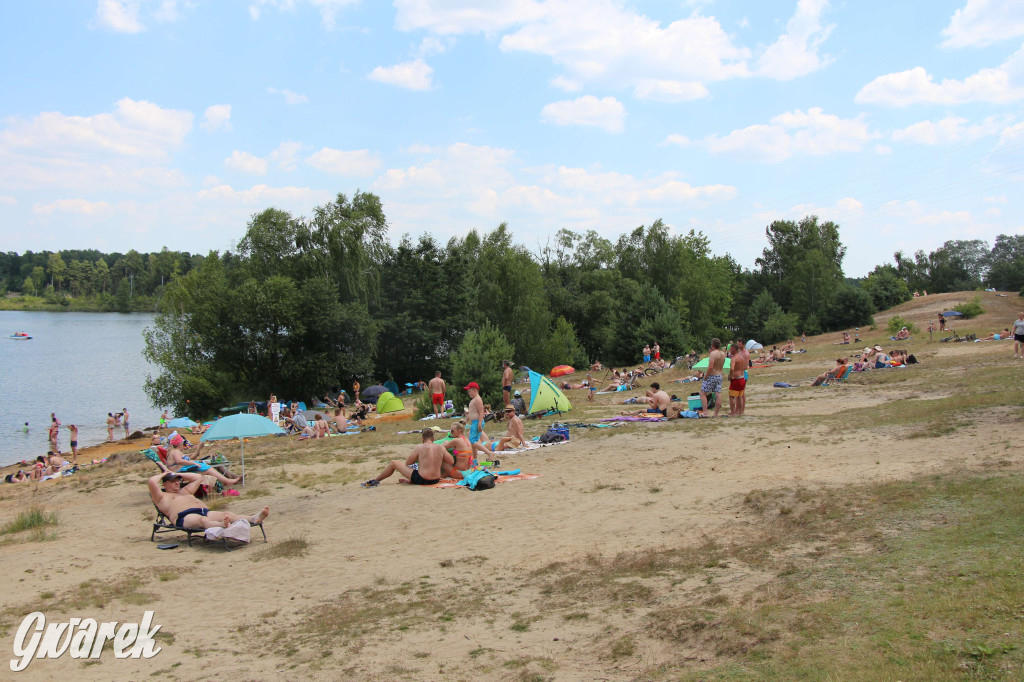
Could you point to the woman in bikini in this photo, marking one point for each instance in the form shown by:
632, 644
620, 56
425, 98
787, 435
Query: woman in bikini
461, 450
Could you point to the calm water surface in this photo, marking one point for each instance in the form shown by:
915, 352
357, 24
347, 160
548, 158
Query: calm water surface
79, 365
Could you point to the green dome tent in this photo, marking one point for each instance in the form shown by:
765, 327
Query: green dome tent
389, 402
544, 395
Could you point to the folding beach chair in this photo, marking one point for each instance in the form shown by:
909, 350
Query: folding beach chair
163, 525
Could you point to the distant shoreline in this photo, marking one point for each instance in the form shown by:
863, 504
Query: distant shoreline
36, 304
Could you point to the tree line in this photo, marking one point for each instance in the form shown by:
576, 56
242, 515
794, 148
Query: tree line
305, 304
112, 282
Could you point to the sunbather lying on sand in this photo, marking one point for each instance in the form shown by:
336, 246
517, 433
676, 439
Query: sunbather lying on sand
998, 336
179, 504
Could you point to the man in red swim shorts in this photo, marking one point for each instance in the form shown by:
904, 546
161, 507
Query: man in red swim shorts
739, 362
437, 390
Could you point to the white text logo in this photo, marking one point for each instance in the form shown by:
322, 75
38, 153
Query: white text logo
84, 638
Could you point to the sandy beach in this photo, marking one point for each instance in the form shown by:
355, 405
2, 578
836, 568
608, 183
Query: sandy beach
415, 583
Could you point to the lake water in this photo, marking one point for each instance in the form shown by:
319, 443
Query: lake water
79, 365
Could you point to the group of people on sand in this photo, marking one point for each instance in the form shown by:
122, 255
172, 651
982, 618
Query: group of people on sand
431, 461
712, 381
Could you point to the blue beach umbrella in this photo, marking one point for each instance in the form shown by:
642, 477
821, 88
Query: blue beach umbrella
181, 423
241, 426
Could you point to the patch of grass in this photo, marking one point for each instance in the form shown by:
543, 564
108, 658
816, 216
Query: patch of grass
290, 548
34, 517
623, 647
128, 587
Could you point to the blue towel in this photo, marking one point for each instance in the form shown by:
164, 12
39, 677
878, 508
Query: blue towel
783, 384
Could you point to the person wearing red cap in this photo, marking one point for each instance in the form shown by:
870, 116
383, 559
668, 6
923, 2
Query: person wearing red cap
177, 460
475, 412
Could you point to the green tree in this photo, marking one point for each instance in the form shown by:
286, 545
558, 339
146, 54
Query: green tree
646, 319
39, 277
850, 307
478, 358
100, 276
802, 265
768, 322
509, 290
28, 287
886, 288
1006, 263
57, 269
562, 347
422, 298
124, 299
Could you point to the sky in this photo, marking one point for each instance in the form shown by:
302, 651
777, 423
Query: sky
150, 123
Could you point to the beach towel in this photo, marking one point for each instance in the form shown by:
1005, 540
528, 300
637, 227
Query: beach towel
501, 478
783, 384
633, 419
239, 530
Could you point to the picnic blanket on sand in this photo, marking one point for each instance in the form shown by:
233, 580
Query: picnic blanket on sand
501, 478
633, 419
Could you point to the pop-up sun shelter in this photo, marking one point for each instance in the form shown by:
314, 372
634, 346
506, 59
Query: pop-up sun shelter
388, 402
544, 395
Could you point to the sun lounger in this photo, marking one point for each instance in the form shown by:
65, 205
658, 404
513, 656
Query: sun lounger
163, 525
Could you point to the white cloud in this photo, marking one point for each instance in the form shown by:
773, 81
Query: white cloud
286, 156
168, 12
566, 84
414, 75
464, 184
135, 128
432, 45
358, 162
797, 132
983, 22
217, 117
264, 194
7, 200
795, 53
454, 18
606, 113
948, 130
1012, 135
289, 96
73, 206
670, 91
916, 86
677, 139
610, 42
246, 163
121, 16
329, 9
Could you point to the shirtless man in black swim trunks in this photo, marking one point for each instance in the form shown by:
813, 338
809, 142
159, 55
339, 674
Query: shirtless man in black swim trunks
428, 455
179, 504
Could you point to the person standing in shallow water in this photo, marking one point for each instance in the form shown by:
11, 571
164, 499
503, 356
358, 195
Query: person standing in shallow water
111, 422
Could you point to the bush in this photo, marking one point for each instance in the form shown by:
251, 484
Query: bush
896, 323
478, 359
423, 406
972, 309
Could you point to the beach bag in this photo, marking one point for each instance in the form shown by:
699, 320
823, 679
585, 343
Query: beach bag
551, 437
911, 360
478, 479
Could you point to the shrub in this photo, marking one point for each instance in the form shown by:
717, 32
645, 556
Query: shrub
897, 322
972, 309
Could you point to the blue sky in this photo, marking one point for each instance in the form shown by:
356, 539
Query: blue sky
151, 123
